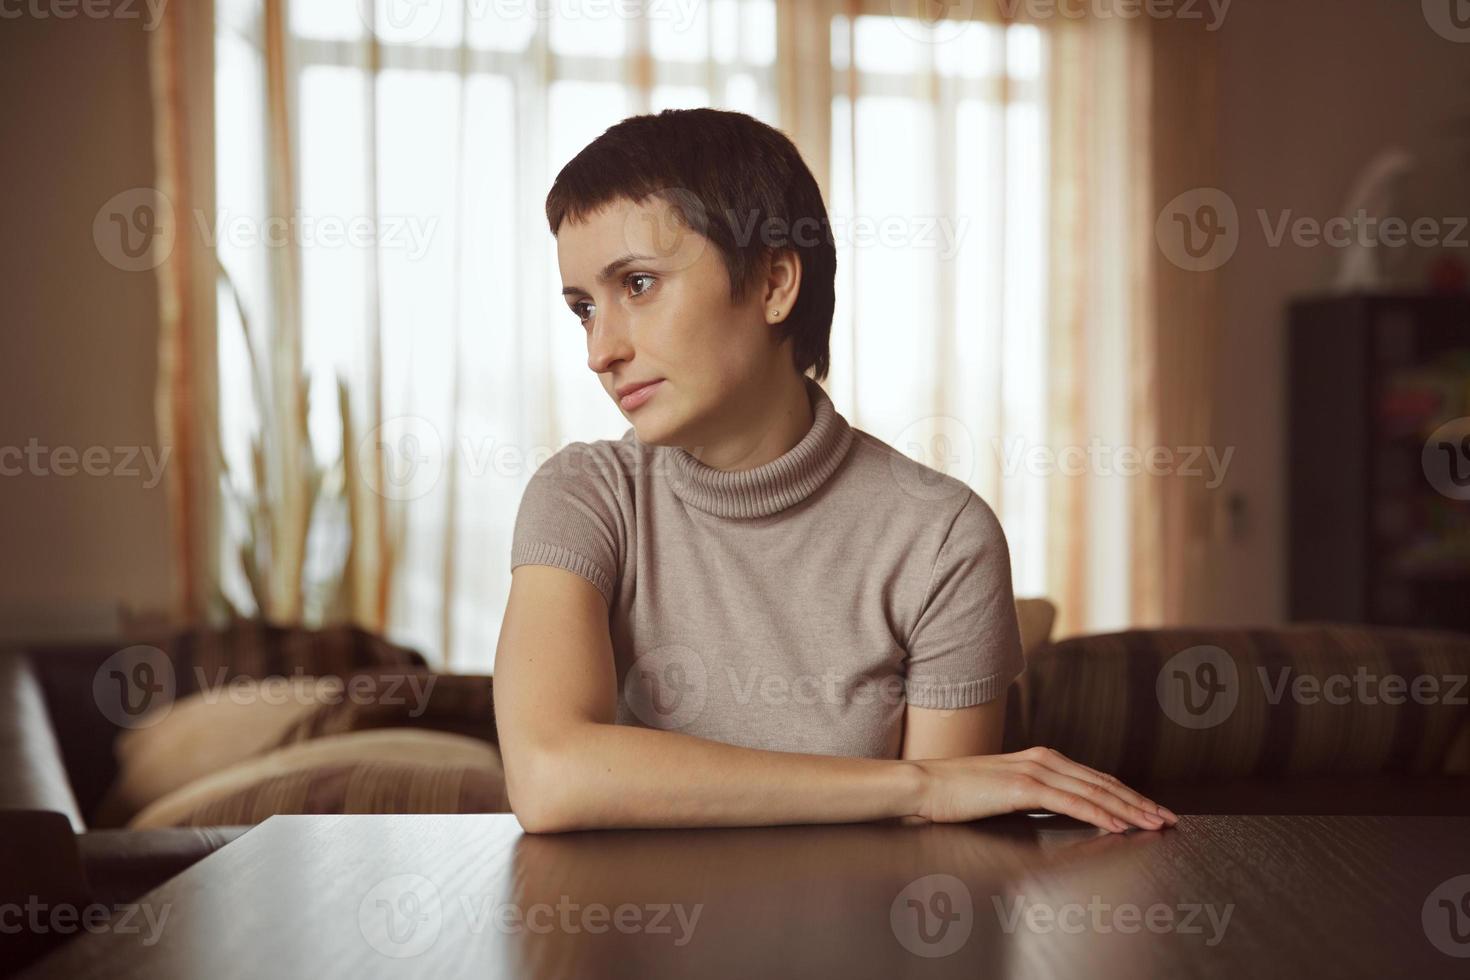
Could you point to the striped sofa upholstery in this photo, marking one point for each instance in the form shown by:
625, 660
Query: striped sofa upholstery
1308, 700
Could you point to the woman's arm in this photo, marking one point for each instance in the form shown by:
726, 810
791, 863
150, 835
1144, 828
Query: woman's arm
569, 766
940, 733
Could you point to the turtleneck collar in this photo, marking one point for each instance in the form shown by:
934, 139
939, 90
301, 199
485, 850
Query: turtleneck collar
786, 480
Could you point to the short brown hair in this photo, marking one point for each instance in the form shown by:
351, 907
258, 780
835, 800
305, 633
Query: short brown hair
713, 162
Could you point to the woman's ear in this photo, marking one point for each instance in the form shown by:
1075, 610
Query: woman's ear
783, 284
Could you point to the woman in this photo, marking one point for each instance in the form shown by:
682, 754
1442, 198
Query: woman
745, 611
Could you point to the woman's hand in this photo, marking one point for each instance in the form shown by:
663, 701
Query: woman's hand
972, 787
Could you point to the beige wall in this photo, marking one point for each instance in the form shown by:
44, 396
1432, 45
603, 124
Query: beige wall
1309, 92
78, 345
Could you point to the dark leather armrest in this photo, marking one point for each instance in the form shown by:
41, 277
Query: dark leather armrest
33, 774
121, 865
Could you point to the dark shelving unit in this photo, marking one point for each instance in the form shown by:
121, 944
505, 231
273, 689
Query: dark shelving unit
1370, 539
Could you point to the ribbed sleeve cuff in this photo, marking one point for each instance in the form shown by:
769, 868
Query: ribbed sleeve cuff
959, 694
538, 553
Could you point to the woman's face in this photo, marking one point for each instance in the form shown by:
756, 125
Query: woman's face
654, 301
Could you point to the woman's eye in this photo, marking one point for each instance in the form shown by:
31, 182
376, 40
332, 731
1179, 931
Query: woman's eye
580, 309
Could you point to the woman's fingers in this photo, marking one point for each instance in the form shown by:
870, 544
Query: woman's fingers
1060, 801
1100, 795
1055, 760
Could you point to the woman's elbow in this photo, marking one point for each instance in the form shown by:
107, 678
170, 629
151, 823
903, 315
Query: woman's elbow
536, 786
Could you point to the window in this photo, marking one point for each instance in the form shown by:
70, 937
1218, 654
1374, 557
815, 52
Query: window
415, 192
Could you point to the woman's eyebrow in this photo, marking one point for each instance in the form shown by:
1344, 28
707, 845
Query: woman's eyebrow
609, 271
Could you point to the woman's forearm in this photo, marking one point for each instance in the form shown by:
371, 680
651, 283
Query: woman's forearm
606, 775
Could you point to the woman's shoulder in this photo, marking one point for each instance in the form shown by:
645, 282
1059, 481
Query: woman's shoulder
911, 483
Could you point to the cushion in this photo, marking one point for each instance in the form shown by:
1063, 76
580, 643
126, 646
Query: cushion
463, 704
205, 657
1036, 617
378, 771
205, 732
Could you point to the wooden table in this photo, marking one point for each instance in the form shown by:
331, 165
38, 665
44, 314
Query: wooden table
365, 896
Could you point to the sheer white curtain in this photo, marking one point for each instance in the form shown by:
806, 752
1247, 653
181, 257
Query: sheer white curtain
392, 162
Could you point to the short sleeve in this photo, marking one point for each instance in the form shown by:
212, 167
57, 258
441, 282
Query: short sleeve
569, 517
965, 648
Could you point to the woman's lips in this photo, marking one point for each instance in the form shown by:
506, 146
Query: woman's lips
633, 399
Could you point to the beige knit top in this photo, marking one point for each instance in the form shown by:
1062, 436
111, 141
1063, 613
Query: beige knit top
797, 606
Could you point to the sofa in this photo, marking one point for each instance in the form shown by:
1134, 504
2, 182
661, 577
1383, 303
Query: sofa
1309, 718
62, 723
1307, 721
